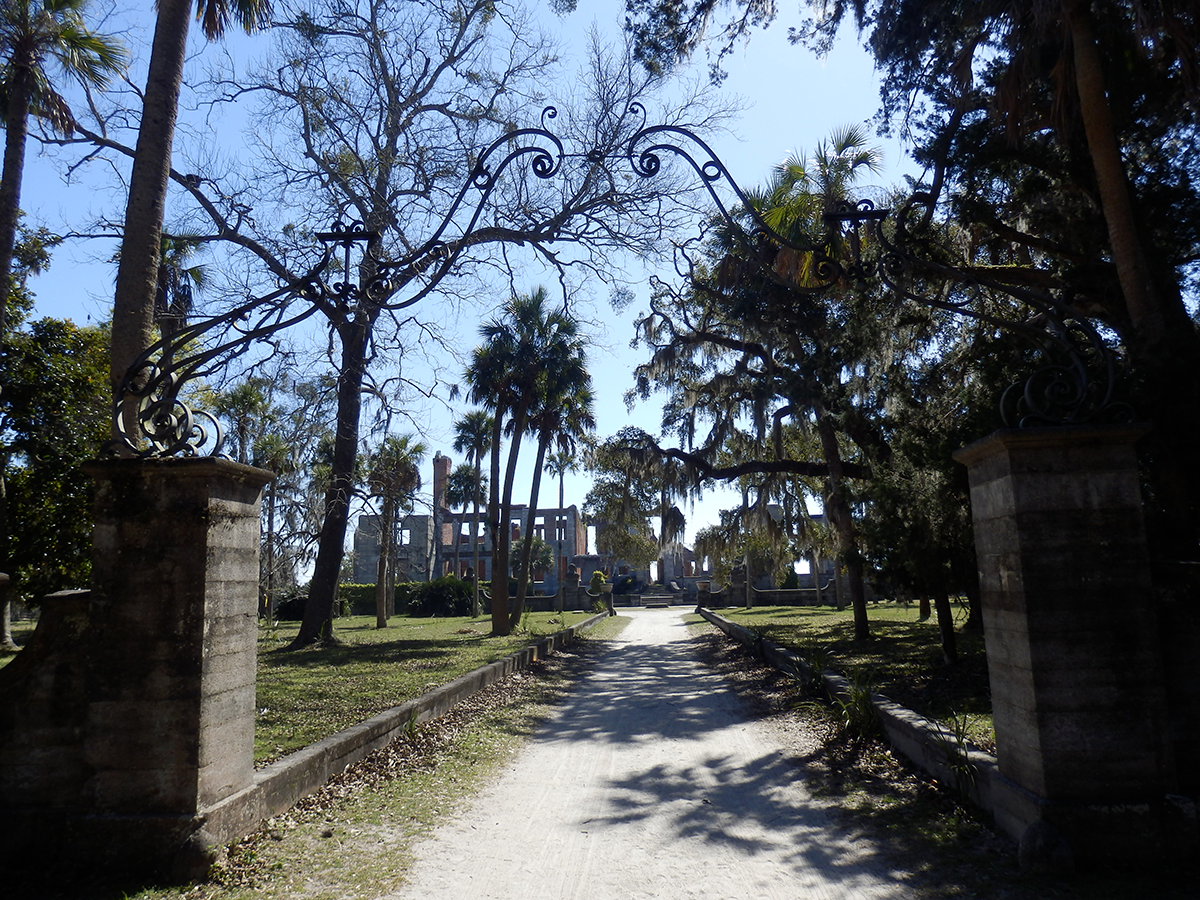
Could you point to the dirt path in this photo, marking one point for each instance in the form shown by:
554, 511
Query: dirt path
649, 781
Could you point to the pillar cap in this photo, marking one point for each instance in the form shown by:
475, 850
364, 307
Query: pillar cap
179, 467
1007, 439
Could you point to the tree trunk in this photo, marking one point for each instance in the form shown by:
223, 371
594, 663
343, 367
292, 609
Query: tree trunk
814, 561
16, 130
16, 125
839, 514
141, 243
499, 541
945, 618
7, 644
560, 532
393, 565
317, 624
502, 538
1164, 346
923, 610
1111, 179
527, 543
475, 610
386, 513
269, 603
457, 545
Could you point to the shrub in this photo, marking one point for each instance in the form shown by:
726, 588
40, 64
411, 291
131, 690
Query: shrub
445, 596
357, 599
625, 584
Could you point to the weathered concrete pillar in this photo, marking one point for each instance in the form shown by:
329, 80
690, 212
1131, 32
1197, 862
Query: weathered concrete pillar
1072, 643
171, 654
570, 588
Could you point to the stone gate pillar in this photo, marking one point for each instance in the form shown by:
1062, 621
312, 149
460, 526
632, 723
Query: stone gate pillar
1072, 645
170, 654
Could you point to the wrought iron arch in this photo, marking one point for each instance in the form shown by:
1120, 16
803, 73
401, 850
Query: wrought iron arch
1076, 384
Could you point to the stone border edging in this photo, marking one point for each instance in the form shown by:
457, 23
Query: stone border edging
925, 742
280, 785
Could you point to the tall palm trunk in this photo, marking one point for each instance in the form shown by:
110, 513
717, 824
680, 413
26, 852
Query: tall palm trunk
386, 514
457, 545
16, 125
141, 244
527, 542
16, 131
560, 532
475, 541
502, 539
499, 543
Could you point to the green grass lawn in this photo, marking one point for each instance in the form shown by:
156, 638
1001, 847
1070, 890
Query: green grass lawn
903, 657
306, 695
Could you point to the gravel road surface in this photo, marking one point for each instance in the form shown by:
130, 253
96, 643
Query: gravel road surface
650, 781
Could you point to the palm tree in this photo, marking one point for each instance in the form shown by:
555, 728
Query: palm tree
247, 408
394, 474
35, 36
177, 283
141, 246
503, 376
462, 488
559, 464
473, 436
564, 411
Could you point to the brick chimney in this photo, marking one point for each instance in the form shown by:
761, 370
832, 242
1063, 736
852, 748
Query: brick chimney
441, 474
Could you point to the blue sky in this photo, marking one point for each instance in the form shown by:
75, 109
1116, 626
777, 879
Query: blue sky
792, 99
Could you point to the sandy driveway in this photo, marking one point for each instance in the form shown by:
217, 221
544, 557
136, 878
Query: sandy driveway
649, 781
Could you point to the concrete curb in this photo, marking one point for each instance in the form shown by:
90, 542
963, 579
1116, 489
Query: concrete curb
926, 743
279, 786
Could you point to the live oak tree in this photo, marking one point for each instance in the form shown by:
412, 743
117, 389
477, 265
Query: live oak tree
752, 346
52, 418
1060, 133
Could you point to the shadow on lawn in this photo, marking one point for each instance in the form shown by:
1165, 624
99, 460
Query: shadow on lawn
347, 653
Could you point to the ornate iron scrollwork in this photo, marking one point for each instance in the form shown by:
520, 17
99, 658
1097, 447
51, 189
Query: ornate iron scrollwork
151, 415
153, 419
1075, 385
